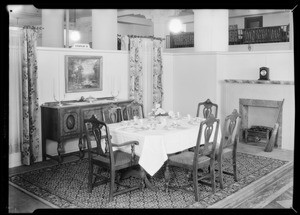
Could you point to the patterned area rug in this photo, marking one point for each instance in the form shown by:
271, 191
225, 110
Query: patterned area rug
66, 186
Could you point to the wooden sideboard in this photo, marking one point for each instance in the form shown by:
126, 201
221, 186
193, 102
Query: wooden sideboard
60, 123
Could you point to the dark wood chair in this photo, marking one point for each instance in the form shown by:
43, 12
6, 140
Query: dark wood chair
206, 108
108, 159
203, 156
112, 114
228, 145
134, 109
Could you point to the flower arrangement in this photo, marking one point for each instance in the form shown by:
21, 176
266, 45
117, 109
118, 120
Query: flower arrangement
158, 111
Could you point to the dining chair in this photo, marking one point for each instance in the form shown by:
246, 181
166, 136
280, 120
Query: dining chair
134, 109
228, 145
112, 114
203, 156
207, 108
110, 160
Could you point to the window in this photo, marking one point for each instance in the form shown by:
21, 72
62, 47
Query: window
254, 22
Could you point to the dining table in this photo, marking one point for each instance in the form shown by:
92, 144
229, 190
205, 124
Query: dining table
158, 137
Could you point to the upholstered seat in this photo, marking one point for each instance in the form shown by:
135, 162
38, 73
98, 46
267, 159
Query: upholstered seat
186, 158
121, 159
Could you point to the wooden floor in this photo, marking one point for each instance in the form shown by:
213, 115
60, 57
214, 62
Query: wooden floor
278, 196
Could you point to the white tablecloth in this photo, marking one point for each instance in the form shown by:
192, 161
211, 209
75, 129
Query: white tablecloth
156, 144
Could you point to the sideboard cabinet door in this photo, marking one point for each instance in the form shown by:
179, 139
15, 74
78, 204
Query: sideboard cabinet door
70, 122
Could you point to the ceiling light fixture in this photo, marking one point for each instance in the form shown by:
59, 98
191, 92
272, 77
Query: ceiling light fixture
175, 26
75, 36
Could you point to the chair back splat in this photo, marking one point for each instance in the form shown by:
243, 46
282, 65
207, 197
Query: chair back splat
134, 109
206, 108
230, 129
98, 131
228, 145
112, 114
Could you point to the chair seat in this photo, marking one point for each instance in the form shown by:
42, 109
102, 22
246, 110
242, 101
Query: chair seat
186, 159
121, 159
224, 151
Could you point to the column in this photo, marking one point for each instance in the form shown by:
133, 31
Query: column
104, 29
53, 28
291, 33
211, 30
159, 28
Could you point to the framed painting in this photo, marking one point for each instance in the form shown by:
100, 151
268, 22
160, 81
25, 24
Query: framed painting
83, 73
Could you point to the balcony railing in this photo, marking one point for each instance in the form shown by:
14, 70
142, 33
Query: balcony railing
270, 34
180, 40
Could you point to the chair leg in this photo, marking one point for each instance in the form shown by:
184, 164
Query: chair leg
167, 177
90, 179
112, 185
195, 181
220, 160
234, 166
142, 176
213, 177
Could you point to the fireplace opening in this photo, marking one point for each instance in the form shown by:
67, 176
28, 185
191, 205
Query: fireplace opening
258, 134
258, 118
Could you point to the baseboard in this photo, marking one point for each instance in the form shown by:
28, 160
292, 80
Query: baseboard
14, 160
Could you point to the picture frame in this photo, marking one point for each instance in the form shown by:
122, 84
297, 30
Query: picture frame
83, 73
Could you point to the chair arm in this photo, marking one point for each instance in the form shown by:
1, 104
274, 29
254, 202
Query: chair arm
126, 143
104, 136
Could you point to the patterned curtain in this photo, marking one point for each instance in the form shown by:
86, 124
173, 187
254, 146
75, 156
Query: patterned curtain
157, 72
31, 134
136, 70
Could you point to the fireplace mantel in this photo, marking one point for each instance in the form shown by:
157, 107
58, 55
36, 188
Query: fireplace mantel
244, 81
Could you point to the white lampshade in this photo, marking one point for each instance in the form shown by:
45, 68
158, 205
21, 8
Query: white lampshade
75, 36
175, 26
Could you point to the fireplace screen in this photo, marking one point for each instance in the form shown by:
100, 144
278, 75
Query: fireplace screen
258, 133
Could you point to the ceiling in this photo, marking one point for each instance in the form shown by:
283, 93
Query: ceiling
20, 15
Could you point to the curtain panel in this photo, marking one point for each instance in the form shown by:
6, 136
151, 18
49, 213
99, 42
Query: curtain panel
136, 70
157, 72
15, 89
31, 134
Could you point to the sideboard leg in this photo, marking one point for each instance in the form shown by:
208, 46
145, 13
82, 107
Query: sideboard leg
80, 146
59, 151
44, 149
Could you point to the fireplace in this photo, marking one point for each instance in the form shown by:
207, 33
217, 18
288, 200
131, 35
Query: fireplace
262, 127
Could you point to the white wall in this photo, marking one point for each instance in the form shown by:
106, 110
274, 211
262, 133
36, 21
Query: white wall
131, 29
167, 81
260, 47
272, 19
51, 66
194, 78
245, 65
84, 25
